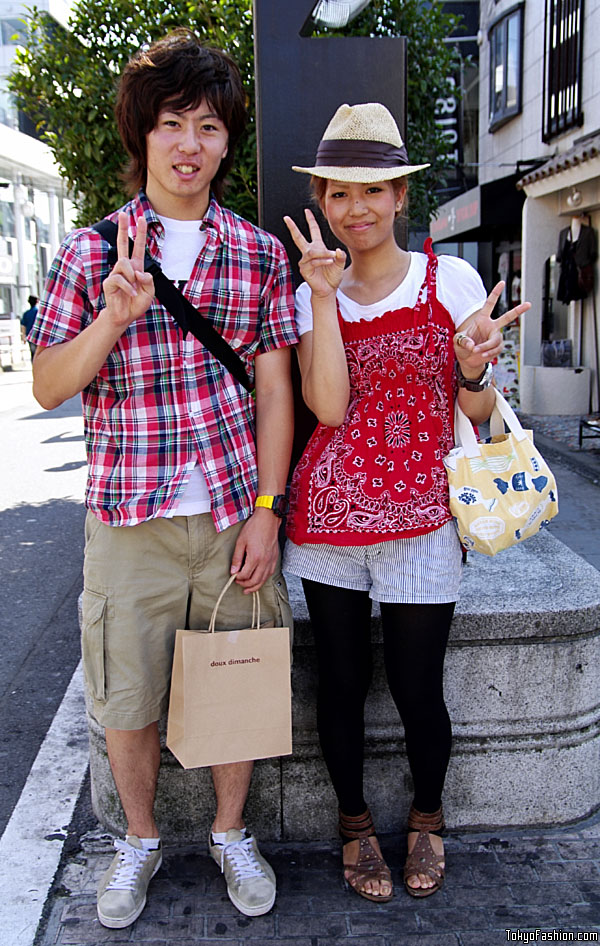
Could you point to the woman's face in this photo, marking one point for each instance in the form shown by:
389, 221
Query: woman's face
362, 215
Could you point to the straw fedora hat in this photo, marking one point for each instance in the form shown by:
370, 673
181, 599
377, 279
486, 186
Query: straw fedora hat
362, 145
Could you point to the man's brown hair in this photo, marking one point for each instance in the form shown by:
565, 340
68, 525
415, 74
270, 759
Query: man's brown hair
177, 72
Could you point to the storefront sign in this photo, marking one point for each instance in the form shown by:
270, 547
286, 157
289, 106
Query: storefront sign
457, 216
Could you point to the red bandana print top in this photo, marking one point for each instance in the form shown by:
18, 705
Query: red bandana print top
380, 475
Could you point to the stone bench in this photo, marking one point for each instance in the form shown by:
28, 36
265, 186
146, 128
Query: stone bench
523, 691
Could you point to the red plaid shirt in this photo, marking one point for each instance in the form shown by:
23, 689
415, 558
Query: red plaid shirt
161, 403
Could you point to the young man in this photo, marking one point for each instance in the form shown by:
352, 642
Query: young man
179, 453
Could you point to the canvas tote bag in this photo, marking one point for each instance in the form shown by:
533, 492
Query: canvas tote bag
502, 491
230, 693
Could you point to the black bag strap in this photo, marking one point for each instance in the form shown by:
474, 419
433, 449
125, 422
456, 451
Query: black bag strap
185, 314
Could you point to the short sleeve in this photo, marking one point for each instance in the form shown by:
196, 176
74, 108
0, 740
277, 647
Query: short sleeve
278, 324
304, 316
64, 308
460, 288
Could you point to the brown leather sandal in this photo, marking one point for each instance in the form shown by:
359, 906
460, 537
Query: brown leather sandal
369, 864
423, 859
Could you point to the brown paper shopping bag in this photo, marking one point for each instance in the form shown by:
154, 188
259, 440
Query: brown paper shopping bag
230, 693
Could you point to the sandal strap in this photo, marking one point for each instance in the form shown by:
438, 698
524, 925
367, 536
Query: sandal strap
423, 860
368, 860
422, 821
369, 866
354, 827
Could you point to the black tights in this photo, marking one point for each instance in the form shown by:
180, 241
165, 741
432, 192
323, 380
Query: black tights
414, 646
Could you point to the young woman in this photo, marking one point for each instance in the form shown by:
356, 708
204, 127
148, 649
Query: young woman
388, 343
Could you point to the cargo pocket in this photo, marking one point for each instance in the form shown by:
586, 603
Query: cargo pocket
93, 608
276, 596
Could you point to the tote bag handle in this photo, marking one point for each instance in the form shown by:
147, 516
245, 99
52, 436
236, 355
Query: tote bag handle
502, 413
255, 608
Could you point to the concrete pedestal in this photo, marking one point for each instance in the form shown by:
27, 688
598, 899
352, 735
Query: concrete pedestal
522, 688
545, 390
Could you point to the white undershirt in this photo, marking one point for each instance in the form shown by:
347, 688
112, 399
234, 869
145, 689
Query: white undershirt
181, 247
458, 287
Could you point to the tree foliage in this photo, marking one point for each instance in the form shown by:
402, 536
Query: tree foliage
65, 80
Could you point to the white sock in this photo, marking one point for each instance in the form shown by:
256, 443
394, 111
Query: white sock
148, 844
220, 837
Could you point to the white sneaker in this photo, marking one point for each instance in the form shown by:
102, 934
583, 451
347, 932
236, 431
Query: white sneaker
122, 890
250, 880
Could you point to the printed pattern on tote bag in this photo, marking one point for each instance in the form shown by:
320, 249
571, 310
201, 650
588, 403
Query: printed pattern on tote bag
501, 491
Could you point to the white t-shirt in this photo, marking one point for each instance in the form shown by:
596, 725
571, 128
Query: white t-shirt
181, 247
458, 287
182, 244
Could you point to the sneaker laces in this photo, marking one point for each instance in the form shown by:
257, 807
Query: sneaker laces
242, 858
130, 862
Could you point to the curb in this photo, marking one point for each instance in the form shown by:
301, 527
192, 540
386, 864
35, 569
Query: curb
579, 461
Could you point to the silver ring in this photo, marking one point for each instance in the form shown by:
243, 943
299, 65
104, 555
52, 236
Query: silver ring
459, 338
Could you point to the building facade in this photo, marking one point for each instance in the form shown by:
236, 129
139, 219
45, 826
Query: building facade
35, 211
538, 187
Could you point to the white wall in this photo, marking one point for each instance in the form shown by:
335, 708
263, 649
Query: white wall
521, 138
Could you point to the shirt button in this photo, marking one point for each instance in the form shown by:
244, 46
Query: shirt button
236, 343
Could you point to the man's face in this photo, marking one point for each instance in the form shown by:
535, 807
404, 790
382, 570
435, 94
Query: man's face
184, 152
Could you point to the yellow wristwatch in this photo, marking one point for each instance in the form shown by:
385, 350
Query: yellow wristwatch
277, 504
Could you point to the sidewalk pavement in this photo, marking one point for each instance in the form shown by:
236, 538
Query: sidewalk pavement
498, 882
558, 437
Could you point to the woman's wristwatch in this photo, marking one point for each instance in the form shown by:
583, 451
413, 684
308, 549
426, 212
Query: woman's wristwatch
475, 384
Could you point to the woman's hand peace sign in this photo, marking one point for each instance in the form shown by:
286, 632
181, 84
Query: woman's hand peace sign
128, 290
321, 268
479, 338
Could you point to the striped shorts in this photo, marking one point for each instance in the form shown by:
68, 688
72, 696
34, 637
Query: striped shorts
422, 569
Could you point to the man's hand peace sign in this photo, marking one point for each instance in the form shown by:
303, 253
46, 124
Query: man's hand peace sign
321, 268
128, 290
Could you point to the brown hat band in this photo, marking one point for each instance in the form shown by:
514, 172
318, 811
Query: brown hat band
347, 152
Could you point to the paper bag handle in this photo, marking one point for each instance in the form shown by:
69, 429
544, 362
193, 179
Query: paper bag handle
255, 608
502, 413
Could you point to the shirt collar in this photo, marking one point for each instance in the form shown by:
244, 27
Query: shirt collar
141, 207
213, 218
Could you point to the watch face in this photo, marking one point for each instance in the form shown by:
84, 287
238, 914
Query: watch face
480, 385
487, 376
280, 506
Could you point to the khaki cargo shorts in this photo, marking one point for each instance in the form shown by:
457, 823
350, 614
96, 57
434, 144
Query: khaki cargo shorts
143, 582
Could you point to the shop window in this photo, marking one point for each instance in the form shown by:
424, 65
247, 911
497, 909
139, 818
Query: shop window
555, 313
8, 110
506, 66
7, 219
5, 302
563, 58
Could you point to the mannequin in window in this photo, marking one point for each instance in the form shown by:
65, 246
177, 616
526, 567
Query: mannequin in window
577, 252
515, 288
503, 273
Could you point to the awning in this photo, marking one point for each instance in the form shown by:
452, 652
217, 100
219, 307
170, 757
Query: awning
488, 212
584, 150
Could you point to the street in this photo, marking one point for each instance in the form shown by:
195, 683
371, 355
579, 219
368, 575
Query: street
41, 545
